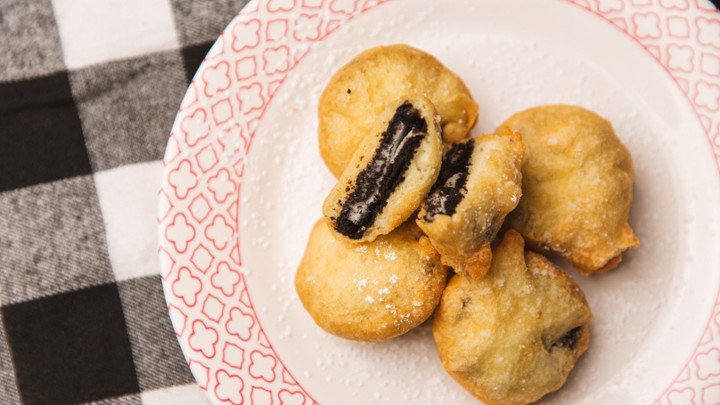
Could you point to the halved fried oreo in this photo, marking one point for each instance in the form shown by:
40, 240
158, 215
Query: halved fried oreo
479, 184
389, 174
359, 91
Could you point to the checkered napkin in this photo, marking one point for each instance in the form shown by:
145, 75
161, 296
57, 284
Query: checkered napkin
88, 93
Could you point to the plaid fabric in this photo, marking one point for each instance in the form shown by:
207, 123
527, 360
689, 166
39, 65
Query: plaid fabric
88, 93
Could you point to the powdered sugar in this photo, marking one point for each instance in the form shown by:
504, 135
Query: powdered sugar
390, 255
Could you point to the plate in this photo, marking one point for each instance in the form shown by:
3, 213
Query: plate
243, 183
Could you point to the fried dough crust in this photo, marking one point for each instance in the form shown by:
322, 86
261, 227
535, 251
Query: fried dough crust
515, 335
371, 291
359, 91
577, 187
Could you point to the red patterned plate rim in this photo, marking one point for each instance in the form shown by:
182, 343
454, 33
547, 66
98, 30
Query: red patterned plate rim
201, 266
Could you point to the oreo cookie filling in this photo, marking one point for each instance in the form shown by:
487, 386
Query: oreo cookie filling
379, 179
449, 189
569, 340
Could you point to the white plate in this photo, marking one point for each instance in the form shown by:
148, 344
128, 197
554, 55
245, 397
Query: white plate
244, 183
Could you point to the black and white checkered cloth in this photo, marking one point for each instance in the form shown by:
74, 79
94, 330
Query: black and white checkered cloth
88, 93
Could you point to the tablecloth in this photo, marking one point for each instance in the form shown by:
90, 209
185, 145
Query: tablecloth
88, 93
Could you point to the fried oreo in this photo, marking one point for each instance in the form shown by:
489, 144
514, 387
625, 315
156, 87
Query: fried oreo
359, 91
577, 186
515, 335
479, 184
370, 291
389, 174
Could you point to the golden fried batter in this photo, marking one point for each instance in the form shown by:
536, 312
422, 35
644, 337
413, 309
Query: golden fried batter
362, 89
577, 186
389, 174
515, 335
370, 291
479, 184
